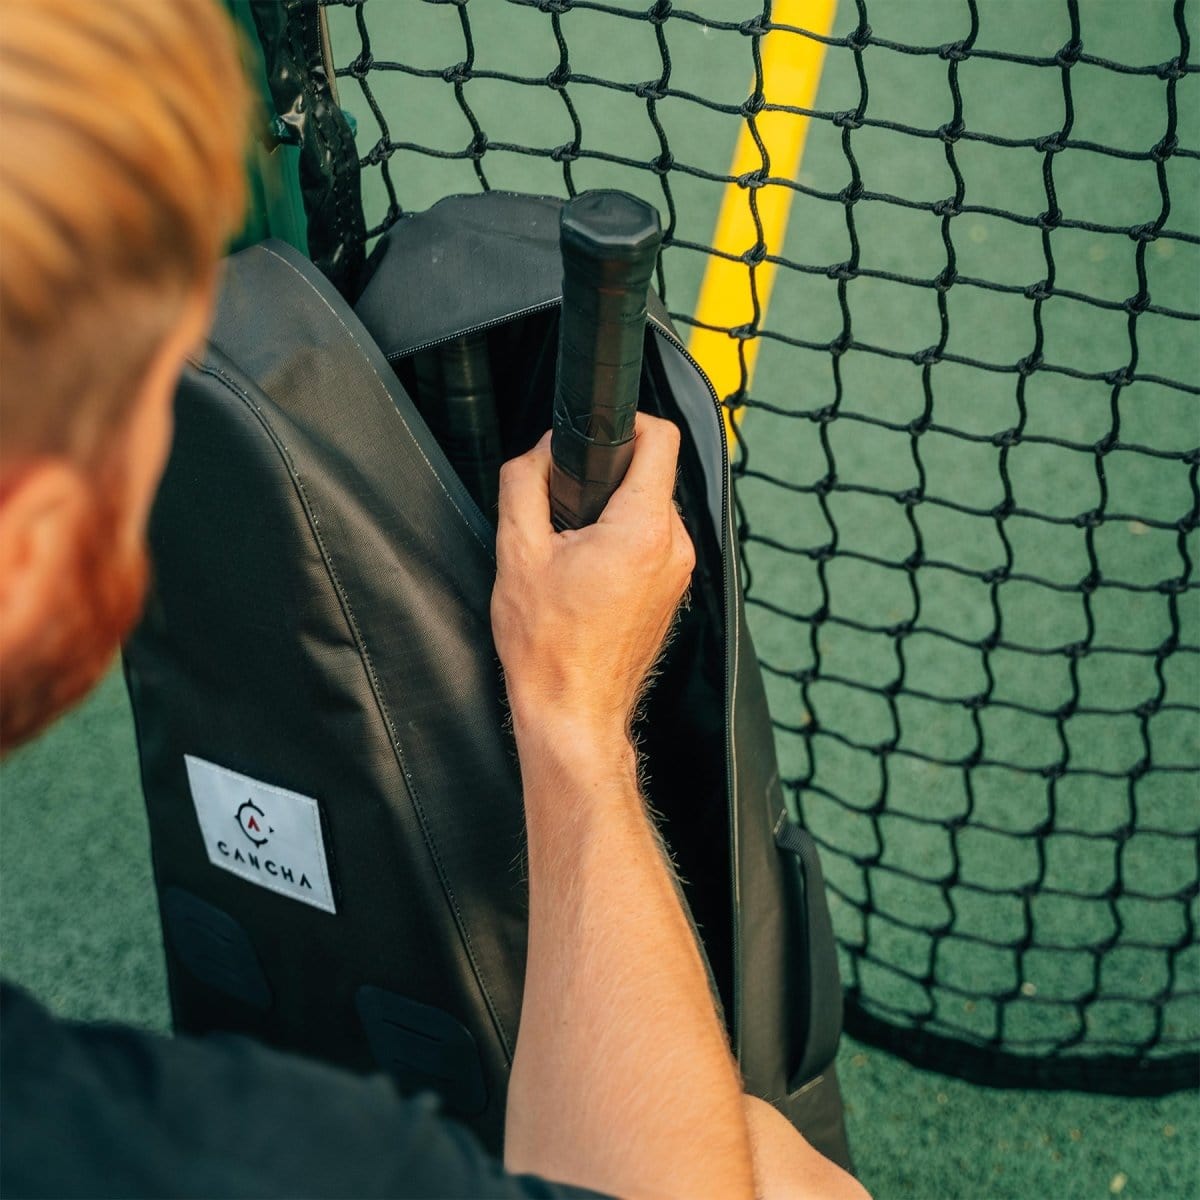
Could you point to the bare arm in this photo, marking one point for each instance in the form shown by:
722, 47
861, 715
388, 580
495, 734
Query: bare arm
622, 1080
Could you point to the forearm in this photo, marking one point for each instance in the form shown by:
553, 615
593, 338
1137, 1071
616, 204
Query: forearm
623, 1080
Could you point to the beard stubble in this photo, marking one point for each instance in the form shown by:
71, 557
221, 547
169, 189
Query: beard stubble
94, 608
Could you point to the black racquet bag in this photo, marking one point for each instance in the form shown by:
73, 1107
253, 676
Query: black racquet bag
333, 795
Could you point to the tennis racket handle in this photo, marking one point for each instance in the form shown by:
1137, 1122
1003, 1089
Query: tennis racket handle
609, 243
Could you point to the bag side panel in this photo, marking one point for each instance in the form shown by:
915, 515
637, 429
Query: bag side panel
320, 622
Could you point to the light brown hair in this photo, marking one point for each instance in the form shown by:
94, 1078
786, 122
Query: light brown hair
122, 130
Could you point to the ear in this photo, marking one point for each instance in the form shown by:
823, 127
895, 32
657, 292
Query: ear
39, 521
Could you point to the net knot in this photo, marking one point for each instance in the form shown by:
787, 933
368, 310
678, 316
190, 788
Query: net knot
1148, 708
479, 145
1054, 771
1139, 768
1137, 303
848, 118
1066, 710
805, 675
1050, 219
860, 39
899, 630
1005, 507
1038, 291
1171, 69
946, 280
378, 153
460, 72
755, 255
842, 270
1006, 438
663, 163
361, 65
1106, 444
1027, 365
918, 425
1069, 54
928, 356
989, 641
1076, 650
1143, 233
743, 333
568, 152
823, 487
851, 193
972, 759
1163, 149
1090, 582
954, 51
753, 27
916, 558
882, 748
554, 6
752, 180
947, 207
1172, 587
951, 131
650, 90
1050, 143
1168, 645
976, 702
660, 12
841, 344
909, 498
1090, 519
996, 574
559, 77
895, 686
1119, 378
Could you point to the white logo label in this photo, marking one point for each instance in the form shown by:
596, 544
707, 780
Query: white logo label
266, 835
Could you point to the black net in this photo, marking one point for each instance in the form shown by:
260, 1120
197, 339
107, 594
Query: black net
963, 385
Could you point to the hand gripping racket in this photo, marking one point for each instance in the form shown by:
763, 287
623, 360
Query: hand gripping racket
609, 243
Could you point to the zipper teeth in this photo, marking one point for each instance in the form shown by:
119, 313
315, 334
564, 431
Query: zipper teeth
730, 634
481, 328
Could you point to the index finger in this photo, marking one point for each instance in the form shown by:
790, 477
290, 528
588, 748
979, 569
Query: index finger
650, 480
525, 492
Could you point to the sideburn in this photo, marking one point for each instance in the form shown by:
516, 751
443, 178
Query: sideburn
95, 606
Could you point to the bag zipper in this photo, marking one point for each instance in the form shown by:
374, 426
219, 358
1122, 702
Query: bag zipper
729, 568
533, 309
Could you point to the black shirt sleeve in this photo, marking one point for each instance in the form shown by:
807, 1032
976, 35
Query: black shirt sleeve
112, 1111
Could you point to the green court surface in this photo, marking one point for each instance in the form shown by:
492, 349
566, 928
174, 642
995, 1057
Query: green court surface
77, 918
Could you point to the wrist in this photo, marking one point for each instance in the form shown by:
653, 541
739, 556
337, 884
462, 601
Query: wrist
564, 753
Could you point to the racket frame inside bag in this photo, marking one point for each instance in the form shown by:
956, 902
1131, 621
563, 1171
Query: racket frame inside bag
316, 660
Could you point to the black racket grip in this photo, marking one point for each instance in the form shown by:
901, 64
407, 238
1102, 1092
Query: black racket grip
609, 243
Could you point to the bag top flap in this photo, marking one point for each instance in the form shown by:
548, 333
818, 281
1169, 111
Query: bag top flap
466, 262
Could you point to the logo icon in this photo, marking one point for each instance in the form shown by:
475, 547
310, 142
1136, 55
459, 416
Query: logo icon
253, 823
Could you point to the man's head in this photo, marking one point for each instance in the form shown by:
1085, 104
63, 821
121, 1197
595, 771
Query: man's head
121, 178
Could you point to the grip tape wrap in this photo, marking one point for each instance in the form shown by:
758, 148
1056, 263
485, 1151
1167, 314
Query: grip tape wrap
609, 243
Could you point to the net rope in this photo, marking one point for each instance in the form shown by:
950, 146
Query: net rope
1014, 901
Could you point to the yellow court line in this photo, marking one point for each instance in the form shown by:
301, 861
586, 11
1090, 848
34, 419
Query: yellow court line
791, 69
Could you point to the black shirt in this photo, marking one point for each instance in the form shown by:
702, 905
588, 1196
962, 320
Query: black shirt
103, 1110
